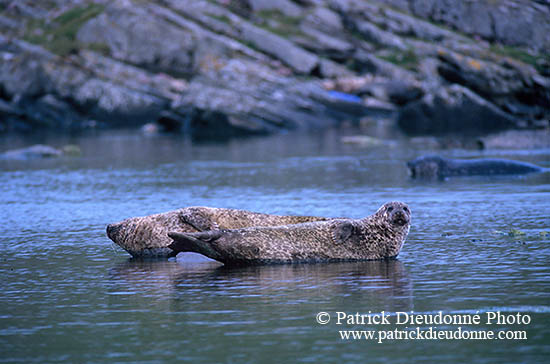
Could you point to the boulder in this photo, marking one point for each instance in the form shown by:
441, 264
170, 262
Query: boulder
300, 60
401, 93
324, 18
511, 85
33, 152
324, 44
48, 91
513, 22
517, 139
222, 68
109, 101
285, 7
134, 36
244, 97
453, 109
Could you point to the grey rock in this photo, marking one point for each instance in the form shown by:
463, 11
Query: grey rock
133, 36
247, 98
23, 9
378, 36
330, 69
379, 108
286, 7
324, 18
22, 74
7, 23
401, 93
33, 152
232, 68
501, 84
324, 44
50, 92
48, 111
295, 57
367, 62
8, 109
453, 109
510, 22
482, 76
517, 139
106, 100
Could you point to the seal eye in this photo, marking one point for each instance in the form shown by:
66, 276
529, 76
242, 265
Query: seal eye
390, 209
405, 209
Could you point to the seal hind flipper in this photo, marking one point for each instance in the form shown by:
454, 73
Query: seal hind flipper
195, 242
342, 231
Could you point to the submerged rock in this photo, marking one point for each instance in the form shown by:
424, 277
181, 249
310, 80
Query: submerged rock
517, 139
33, 152
363, 141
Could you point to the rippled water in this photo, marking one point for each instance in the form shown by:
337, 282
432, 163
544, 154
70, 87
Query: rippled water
69, 295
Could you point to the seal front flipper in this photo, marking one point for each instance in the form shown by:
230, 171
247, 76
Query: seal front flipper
197, 220
342, 231
196, 242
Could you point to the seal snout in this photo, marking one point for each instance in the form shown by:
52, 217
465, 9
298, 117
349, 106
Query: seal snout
397, 213
112, 231
400, 218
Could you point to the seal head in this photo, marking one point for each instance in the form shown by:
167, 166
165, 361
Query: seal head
396, 213
426, 167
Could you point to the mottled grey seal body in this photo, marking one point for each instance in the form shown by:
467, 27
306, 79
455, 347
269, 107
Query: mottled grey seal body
431, 167
148, 236
379, 236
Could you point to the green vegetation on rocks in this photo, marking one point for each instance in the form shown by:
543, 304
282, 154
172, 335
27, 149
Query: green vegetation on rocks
408, 59
519, 54
59, 34
279, 23
237, 67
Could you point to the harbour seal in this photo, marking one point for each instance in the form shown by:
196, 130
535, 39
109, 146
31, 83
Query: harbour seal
378, 236
432, 167
147, 236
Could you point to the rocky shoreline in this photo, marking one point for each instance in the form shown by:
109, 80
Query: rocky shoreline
217, 69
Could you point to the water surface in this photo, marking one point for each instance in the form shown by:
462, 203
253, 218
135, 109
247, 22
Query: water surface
70, 295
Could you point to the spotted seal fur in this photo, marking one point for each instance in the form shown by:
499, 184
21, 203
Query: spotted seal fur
436, 167
378, 236
147, 236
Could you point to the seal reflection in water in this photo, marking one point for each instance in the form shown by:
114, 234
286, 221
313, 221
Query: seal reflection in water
435, 167
147, 236
379, 236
